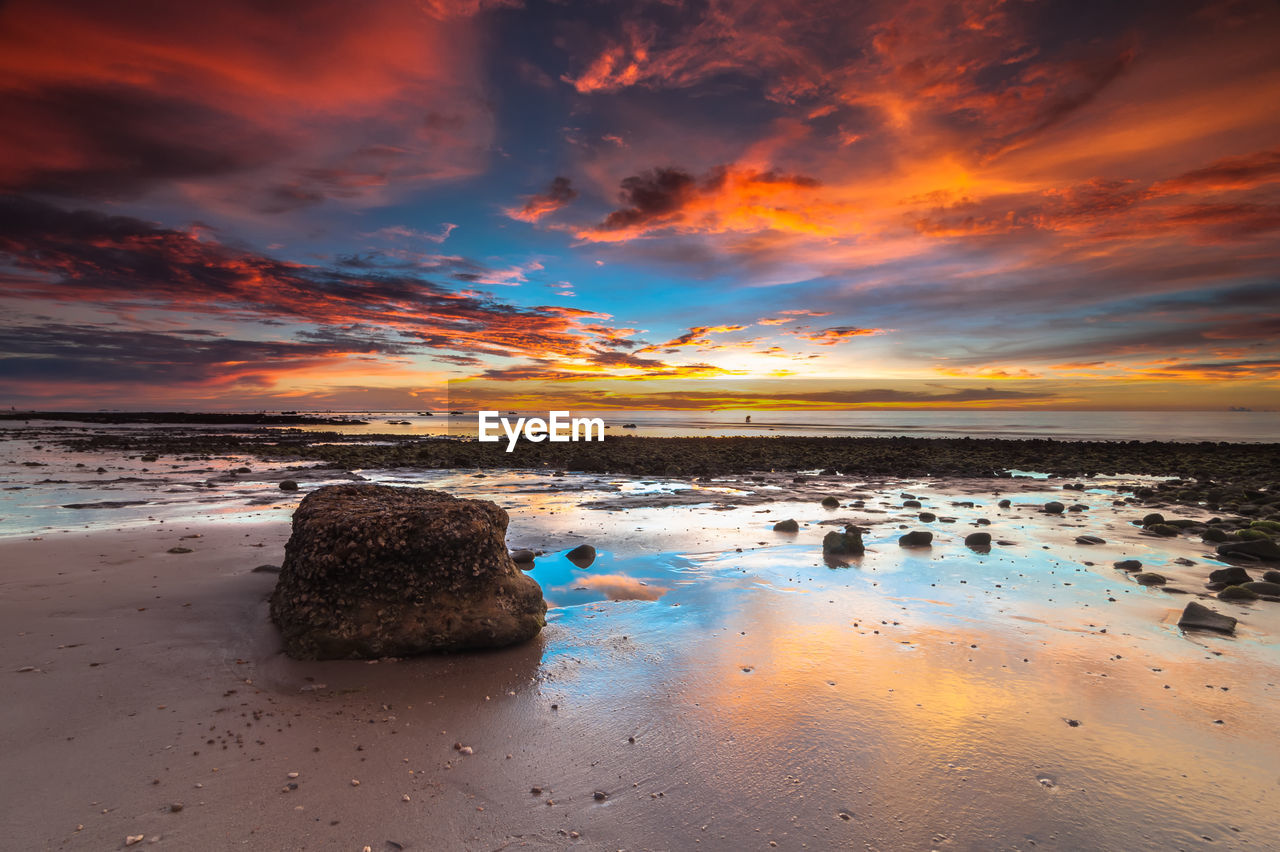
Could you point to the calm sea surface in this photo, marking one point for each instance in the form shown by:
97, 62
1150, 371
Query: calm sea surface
1234, 426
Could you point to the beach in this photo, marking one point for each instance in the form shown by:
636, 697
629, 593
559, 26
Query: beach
479, 425
706, 682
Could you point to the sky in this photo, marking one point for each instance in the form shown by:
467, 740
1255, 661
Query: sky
643, 204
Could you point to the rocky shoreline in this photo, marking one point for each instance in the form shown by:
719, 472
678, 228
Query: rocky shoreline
180, 417
1226, 475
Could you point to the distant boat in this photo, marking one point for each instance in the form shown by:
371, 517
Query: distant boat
514, 413
456, 413
1239, 408
425, 414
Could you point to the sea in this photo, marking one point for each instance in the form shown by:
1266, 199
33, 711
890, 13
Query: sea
1188, 426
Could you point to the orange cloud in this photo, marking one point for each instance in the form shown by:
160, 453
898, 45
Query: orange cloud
124, 265
729, 199
785, 317
1243, 172
558, 195
836, 334
696, 336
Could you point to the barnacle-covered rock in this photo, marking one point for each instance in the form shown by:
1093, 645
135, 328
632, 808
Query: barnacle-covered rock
375, 571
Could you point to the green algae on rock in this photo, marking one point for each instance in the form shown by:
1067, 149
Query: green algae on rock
376, 571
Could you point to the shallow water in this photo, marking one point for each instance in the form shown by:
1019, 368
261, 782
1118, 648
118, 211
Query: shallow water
907, 699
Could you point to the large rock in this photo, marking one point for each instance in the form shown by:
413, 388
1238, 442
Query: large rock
1200, 617
1267, 550
375, 571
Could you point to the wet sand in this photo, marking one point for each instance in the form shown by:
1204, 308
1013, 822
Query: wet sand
718, 698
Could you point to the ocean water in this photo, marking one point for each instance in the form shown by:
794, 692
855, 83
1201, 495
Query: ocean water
1188, 426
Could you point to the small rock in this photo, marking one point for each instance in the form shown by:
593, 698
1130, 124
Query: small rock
1232, 576
1262, 587
1153, 518
1149, 578
582, 555
134, 839
355, 782
599, 795
787, 526
1089, 539
1199, 617
847, 543
175, 807
1053, 507
1237, 593
927, 517
916, 538
179, 550
288, 485
978, 539
522, 557
1004, 504
830, 503
1165, 530
1128, 565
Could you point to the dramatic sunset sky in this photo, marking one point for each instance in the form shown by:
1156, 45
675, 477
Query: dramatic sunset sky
731, 203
